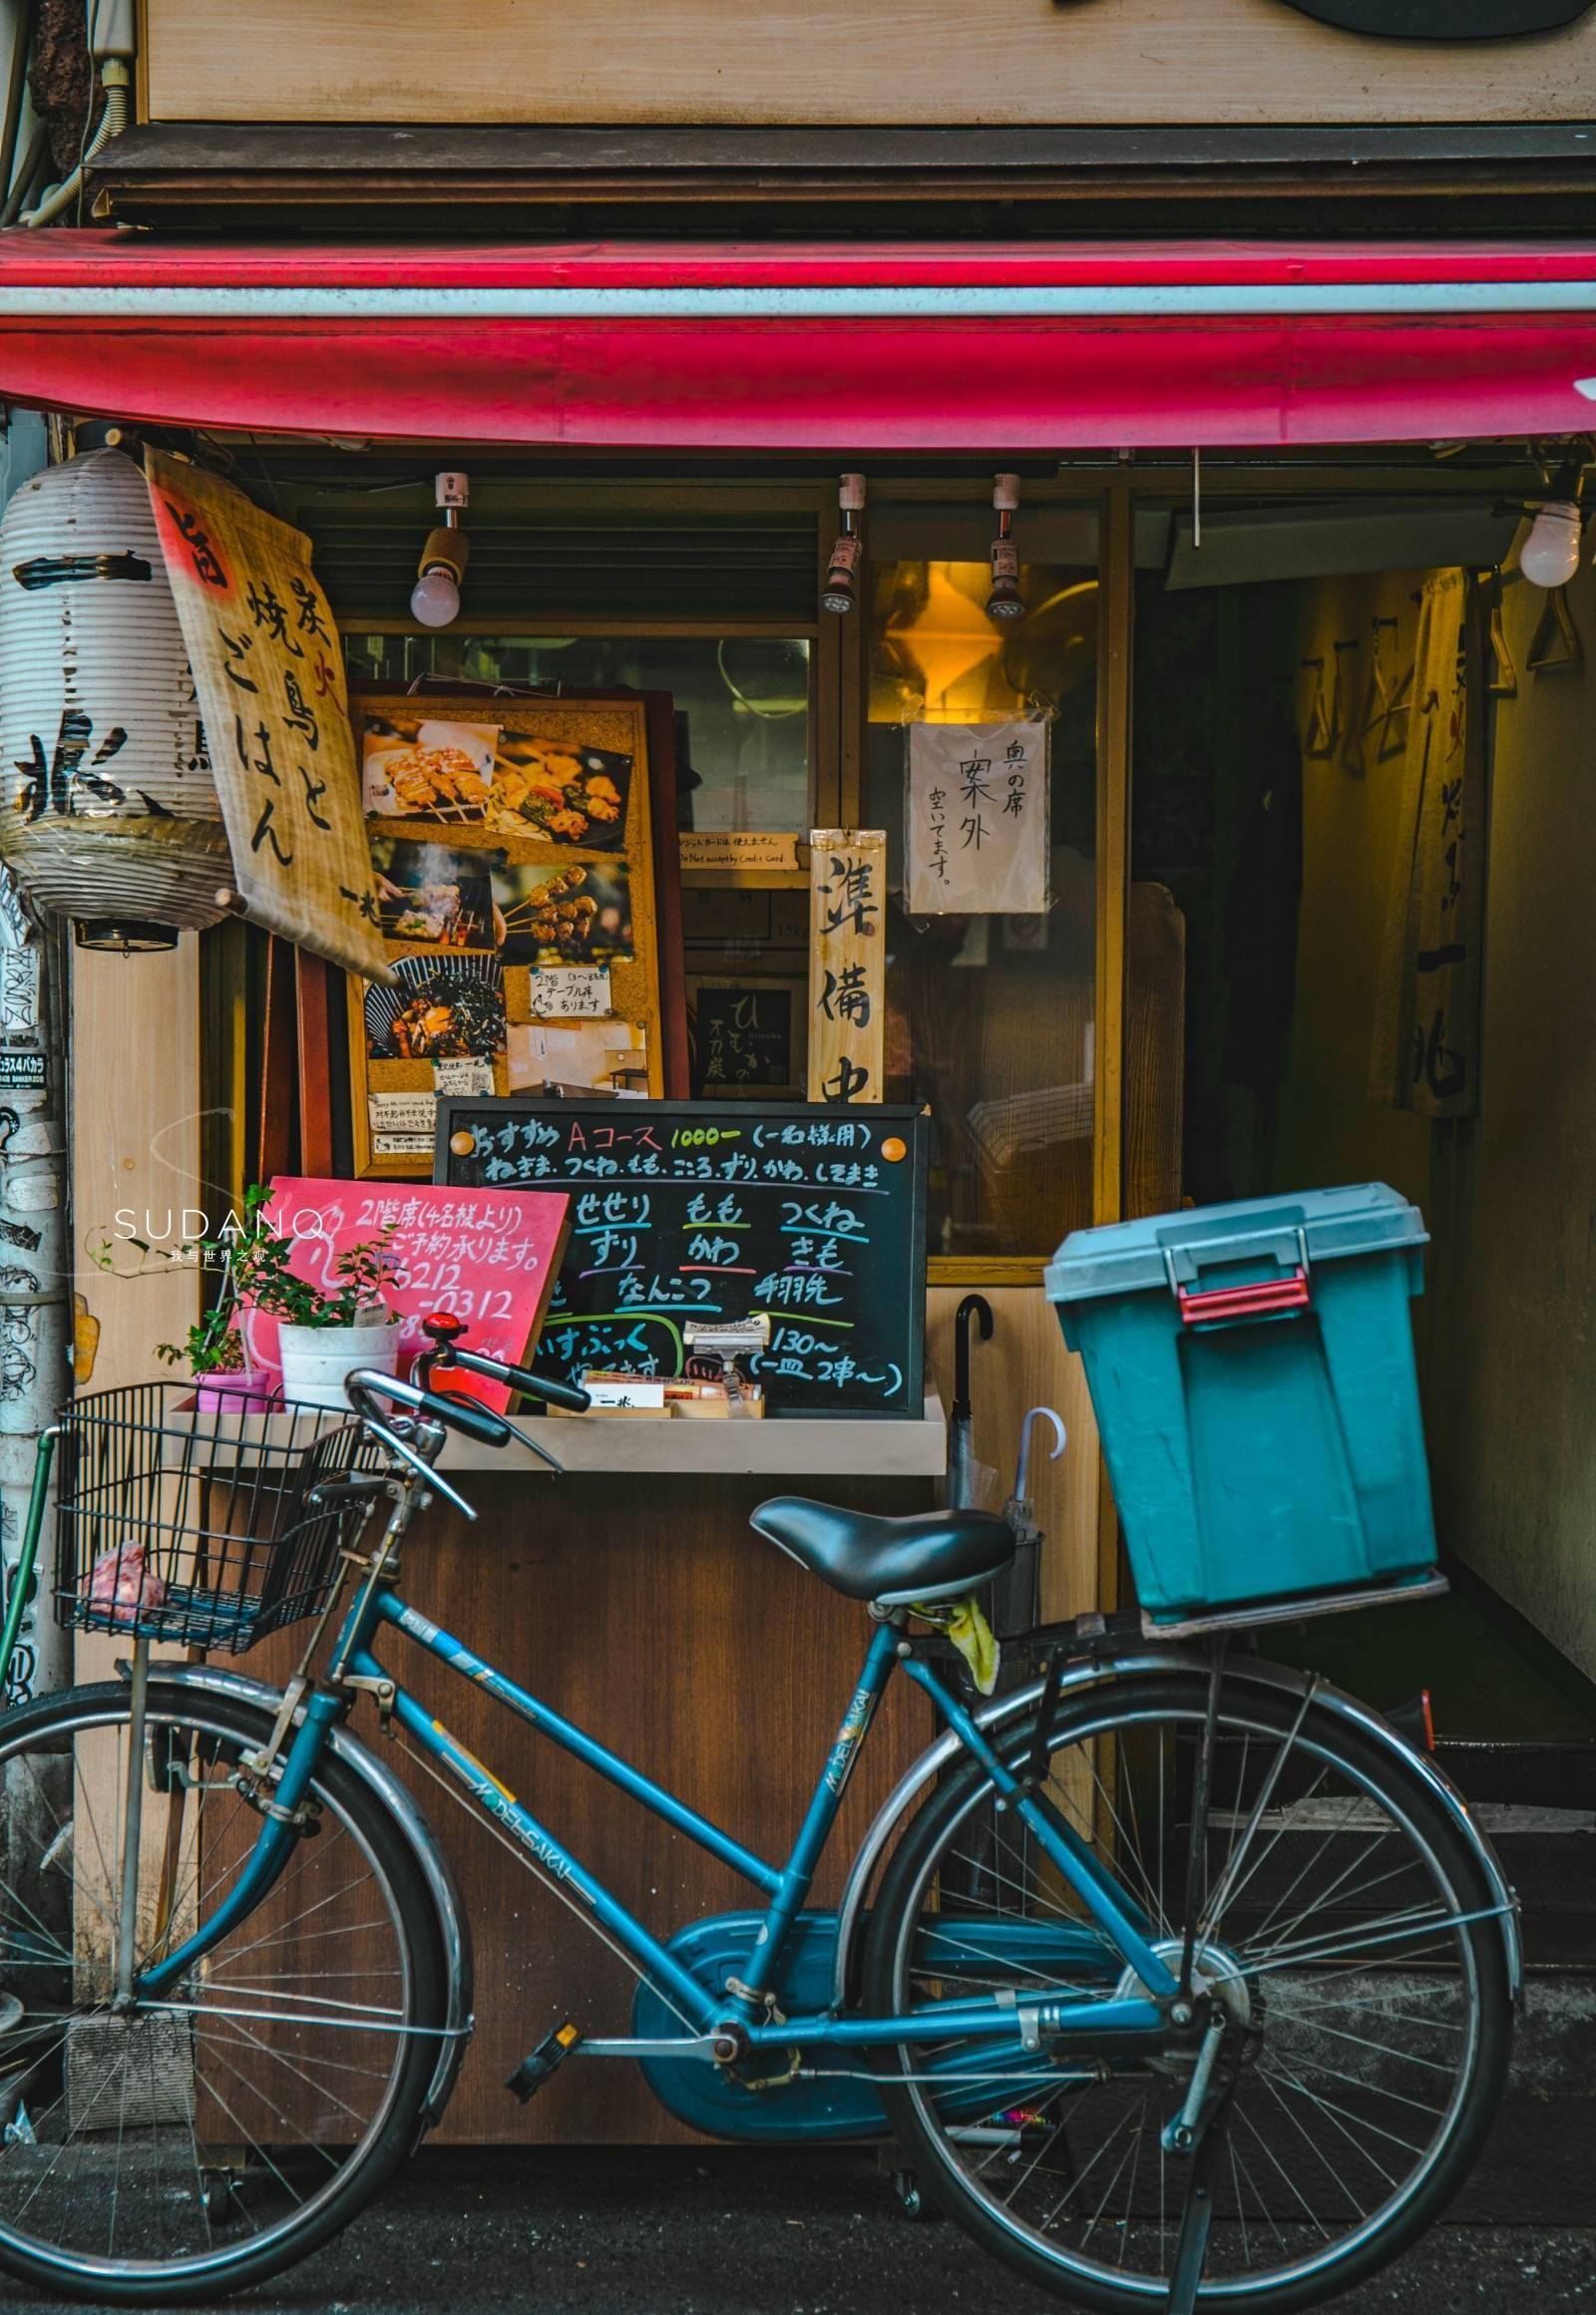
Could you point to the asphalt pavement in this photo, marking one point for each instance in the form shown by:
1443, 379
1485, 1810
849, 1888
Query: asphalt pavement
716, 2231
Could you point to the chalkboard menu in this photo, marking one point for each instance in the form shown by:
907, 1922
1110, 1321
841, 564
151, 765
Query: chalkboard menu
720, 1210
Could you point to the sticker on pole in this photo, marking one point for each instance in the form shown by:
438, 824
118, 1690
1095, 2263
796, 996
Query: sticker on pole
23, 1069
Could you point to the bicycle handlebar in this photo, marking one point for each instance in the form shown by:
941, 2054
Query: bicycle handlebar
440, 1406
566, 1394
467, 1416
445, 1330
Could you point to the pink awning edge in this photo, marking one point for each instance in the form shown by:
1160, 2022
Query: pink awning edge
822, 348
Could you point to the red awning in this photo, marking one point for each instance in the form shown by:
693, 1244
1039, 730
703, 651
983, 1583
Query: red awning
699, 346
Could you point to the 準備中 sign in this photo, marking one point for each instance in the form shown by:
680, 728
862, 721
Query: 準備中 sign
847, 964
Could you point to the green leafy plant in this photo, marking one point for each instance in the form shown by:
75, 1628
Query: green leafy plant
251, 1261
257, 1261
213, 1345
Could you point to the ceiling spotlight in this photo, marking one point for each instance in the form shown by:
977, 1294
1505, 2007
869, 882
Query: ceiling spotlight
1004, 603
435, 598
1549, 557
841, 590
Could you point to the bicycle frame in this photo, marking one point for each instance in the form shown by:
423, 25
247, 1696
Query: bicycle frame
701, 2006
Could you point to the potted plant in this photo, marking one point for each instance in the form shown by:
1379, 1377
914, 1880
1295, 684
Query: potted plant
214, 1352
323, 1332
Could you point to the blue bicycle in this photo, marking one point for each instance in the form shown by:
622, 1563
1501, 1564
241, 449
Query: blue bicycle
1179, 1978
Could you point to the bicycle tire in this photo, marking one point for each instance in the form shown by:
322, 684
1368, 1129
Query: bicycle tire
223, 1726
1122, 1712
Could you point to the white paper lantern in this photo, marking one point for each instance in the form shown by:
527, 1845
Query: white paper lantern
108, 808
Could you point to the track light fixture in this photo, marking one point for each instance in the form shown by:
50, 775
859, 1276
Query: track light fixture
435, 598
1002, 601
841, 590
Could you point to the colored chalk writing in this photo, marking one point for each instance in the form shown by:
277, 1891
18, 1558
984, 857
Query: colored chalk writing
811, 1215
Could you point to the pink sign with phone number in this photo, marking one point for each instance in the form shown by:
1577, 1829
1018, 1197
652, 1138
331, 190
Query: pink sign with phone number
490, 1257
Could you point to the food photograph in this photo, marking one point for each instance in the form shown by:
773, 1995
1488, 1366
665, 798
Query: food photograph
444, 1009
427, 770
431, 893
581, 915
567, 794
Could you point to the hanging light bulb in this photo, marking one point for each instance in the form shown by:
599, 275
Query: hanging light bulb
1002, 601
1549, 557
841, 590
435, 598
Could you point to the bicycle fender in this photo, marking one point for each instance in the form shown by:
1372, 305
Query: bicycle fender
454, 1927
1093, 1672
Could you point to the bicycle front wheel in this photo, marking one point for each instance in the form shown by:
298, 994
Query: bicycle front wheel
204, 2140
1342, 1920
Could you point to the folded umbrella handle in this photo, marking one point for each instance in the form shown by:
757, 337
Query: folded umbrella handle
1060, 1439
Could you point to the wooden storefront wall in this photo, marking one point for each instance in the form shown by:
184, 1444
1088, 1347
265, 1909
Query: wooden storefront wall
833, 63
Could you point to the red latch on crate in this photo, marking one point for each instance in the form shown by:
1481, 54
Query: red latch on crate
1265, 1299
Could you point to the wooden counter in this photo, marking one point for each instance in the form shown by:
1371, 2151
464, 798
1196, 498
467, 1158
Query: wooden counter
810, 1447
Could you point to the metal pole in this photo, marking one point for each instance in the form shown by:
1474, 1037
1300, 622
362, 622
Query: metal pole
35, 1273
19, 1585
132, 1826
36, 1324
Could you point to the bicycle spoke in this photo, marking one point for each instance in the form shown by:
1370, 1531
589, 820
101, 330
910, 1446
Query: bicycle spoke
1281, 2172
1385, 2049
1335, 2118
1407, 2146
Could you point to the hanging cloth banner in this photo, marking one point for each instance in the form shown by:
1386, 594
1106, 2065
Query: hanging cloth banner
1425, 1050
268, 674
975, 820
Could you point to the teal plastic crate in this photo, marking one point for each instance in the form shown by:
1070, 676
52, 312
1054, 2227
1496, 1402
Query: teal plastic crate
1251, 1370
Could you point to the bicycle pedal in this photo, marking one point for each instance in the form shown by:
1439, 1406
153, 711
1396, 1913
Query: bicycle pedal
536, 2067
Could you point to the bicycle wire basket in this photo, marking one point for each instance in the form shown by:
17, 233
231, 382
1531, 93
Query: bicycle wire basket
181, 1523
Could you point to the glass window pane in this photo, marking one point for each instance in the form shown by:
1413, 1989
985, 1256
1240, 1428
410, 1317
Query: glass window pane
742, 703
990, 1016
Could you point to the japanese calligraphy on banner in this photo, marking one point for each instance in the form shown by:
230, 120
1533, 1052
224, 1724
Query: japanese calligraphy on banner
975, 820
847, 964
1426, 1049
268, 674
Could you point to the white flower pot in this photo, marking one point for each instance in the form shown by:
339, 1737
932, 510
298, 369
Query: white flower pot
315, 1359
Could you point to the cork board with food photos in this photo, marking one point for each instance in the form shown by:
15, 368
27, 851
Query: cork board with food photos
513, 850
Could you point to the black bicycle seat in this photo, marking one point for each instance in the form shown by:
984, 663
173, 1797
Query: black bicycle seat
931, 1555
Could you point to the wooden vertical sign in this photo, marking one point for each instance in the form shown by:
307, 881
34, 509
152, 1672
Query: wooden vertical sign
847, 964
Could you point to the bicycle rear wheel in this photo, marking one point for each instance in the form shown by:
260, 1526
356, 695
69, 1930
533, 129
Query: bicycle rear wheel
1339, 1921
210, 2138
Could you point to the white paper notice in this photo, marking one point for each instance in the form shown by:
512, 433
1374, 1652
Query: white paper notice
733, 848
975, 818
463, 1076
402, 1124
623, 1390
570, 991
20, 972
